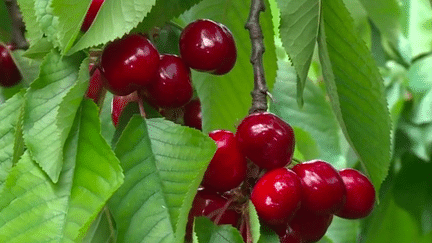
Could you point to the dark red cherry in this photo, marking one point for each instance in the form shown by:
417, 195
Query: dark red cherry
311, 227
91, 14
360, 195
227, 169
193, 115
277, 196
9, 73
172, 87
208, 46
323, 189
290, 236
95, 88
129, 64
119, 103
266, 140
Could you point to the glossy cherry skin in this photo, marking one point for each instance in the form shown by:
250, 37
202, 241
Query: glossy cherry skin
119, 103
172, 87
9, 73
266, 140
129, 64
323, 189
91, 14
227, 169
95, 88
208, 46
311, 227
360, 195
193, 115
277, 196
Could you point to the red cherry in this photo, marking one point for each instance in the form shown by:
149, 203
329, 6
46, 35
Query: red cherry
208, 46
95, 88
277, 196
129, 64
323, 188
91, 14
290, 236
360, 195
172, 87
227, 169
311, 227
119, 103
193, 115
9, 73
266, 140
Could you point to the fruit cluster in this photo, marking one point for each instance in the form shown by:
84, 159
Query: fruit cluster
298, 202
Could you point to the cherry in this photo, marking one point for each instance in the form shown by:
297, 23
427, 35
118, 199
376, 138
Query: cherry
95, 88
129, 64
311, 227
266, 140
323, 189
208, 46
9, 73
91, 14
360, 195
193, 115
227, 169
172, 87
277, 196
119, 103
290, 236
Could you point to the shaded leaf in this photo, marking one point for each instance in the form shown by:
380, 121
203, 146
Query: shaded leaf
208, 232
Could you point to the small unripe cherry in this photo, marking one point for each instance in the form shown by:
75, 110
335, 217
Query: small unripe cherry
193, 114
311, 227
266, 140
119, 103
91, 14
360, 195
277, 196
227, 169
9, 73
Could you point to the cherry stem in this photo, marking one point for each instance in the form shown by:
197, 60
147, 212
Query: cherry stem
222, 210
18, 27
175, 25
259, 93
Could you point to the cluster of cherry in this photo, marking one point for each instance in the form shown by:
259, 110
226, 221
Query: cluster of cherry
297, 203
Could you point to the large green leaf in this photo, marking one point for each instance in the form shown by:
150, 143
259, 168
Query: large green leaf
48, 113
114, 19
33, 30
418, 25
164, 164
356, 90
226, 99
29, 68
343, 230
48, 22
34, 209
298, 31
208, 232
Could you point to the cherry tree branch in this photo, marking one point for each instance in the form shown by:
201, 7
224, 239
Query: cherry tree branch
259, 94
18, 27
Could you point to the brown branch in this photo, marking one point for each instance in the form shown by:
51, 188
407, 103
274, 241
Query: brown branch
259, 94
18, 27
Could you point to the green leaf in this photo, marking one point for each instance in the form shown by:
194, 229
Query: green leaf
47, 21
115, 18
164, 164
10, 113
356, 90
48, 115
226, 99
208, 232
39, 49
298, 31
418, 25
163, 11
268, 236
343, 230
33, 30
101, 229
254, 223
315, 126
29, 68
33, 209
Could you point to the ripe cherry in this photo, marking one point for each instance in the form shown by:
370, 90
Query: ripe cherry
208, 46
289, 236
227, 169
193, 115
119, 103
277, 196
311, 227
9, 73
172, 87
323, 189
360, 195
95, 88
129, 64
266, 140
91, 14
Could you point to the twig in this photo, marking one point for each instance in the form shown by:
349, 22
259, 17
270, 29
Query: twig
18, 27
259, 94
